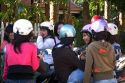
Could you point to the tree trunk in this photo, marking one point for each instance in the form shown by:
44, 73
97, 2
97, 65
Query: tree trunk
69, 13
85, 12
31, 5
2, 32
52, 12
107, 7
0, 11
65, 12
56, 12
47, 11
32, 2
122, 19
0, 29
98, 9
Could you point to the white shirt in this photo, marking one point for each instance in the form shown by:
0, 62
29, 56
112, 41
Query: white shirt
44, 45
47, 43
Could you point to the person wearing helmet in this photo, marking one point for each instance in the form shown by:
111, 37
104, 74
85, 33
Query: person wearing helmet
68, 67
100, 56
87, 33
45, 41
87, 38
20, 62
57, 28
113, 30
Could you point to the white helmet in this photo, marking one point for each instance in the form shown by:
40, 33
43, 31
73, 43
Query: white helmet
112, 28
23, 26
87, 28
46, 24
99, 25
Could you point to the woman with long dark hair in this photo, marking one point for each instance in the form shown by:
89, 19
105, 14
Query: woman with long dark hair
8, 36
21, 59
57, 28
87, 38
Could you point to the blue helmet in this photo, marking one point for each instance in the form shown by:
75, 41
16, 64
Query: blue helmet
67, 30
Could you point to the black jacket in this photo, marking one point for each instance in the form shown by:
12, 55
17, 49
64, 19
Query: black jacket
65, 61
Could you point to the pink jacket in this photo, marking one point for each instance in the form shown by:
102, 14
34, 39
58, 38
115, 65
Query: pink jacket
27, 57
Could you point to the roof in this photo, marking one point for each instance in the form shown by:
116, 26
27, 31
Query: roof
73, 7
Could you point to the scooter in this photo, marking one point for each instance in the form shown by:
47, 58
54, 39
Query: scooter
46, 70
48, 77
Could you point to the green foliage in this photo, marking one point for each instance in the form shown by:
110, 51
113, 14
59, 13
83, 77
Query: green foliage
8, 2
78, 2
36, 13
22, 11
122, 39
78, 26
119, 4
10, 6
1, 15
93, 7
114, 13
17, 10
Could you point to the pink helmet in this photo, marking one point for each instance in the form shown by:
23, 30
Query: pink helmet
99, 25
87, 28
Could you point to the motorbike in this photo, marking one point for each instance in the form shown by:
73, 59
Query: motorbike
46, 69
47, 77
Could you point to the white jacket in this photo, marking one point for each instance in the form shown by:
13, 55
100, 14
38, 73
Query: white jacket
43, 45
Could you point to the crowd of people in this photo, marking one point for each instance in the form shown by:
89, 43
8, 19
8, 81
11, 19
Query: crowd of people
52, 55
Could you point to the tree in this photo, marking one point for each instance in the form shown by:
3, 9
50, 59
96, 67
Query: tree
47, 11
56, 12
10, 8
121, 9
107, 9
85, 12
16, 9
52, 12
